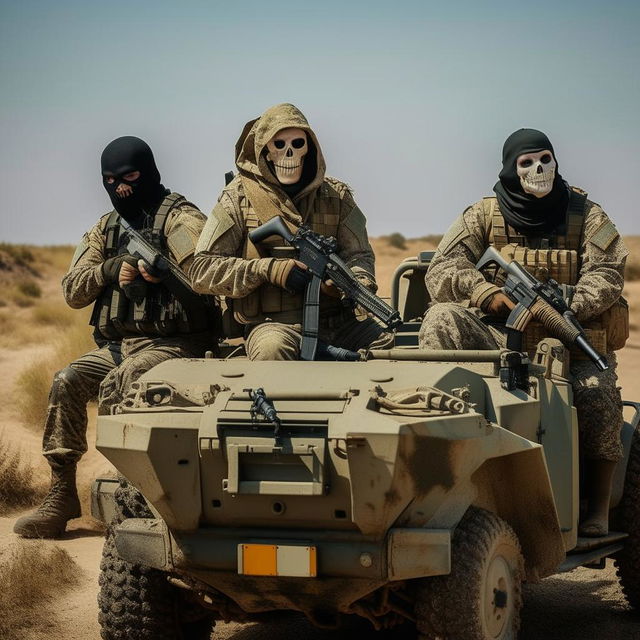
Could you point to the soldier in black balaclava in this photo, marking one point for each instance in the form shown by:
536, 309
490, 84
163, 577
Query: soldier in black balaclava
133, 333
556, 232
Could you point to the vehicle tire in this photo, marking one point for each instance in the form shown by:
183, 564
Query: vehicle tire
628, 560
482, 596
137, 602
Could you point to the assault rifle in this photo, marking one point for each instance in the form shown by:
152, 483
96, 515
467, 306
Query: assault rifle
541, 300
159, 266
318, 253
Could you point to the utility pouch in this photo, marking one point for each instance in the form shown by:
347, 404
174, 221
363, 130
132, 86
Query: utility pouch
615, 320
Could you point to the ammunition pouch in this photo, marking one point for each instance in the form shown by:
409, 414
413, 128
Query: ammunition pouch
559, 264
615, 322
146, 308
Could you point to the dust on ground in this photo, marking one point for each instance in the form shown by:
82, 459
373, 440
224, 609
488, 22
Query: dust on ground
583, 604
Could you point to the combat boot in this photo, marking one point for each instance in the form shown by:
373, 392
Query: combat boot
599, 481
49, 520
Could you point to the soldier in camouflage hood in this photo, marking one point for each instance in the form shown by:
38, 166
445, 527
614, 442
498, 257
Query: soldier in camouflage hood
133, 333
555, 232
282, 173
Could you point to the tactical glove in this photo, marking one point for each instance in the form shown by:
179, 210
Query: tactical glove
287, 274
111, 266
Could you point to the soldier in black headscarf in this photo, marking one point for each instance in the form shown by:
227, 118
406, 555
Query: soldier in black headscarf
555, 232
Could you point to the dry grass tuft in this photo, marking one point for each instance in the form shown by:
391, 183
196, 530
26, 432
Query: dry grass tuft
18, 487
33, 384
57, 258
20, 254
32, 574
54, 313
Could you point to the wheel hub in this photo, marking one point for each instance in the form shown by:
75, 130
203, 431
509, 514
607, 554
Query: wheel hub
498, 597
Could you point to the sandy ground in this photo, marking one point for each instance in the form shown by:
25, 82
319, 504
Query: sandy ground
585, 604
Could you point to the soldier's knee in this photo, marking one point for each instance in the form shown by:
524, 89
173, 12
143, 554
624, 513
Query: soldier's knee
443, 314
66, 377
267, 342
269, 348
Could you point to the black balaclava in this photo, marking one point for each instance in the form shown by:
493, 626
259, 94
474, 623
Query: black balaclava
527, 214
123, 156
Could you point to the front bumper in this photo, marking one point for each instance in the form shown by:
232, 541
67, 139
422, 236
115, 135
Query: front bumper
403, 554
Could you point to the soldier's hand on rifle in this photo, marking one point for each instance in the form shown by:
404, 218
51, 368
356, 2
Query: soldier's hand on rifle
499, 304
145, 274
330, 289
128, 273
289, 274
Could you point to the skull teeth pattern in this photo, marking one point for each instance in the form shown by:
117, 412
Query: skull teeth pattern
288, 168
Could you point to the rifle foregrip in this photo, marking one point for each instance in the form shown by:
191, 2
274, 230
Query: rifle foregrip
553, 321
560, 328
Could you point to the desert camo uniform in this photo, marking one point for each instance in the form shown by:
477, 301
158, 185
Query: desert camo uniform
228, 264
588, 254
127, 348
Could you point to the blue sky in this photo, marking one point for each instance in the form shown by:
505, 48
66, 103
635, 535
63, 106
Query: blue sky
411, 101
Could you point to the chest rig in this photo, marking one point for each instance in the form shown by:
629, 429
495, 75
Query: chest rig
269, 302
157, 311
556, 256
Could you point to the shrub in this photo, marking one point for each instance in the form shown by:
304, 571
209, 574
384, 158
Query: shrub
20, 253
397, 240
29, 288
18, 487
34, 382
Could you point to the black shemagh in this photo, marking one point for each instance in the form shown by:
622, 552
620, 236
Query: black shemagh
125, 155
523, 211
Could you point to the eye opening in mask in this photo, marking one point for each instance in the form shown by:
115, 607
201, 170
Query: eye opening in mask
298, 143
279, 144
526, 162
546, 158
132, 176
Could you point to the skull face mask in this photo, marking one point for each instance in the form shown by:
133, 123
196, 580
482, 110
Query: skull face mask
286, 151
537, 172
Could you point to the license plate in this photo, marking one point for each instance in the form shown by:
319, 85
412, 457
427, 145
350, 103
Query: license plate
296, 561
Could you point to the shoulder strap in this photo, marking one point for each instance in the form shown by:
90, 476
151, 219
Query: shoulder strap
575, 219
160, 219
112, 234
498, 228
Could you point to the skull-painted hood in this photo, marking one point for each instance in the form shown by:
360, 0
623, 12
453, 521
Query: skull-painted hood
524, 211
255, 169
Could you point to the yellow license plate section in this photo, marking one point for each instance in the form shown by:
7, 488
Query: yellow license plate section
297, 561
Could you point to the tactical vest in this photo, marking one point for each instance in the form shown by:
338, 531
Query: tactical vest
556, 256
269, 302
158, 312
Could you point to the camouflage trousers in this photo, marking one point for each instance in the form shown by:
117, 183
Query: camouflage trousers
595, 393
277, 341
105, 373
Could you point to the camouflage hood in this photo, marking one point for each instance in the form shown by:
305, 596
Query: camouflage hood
258, 179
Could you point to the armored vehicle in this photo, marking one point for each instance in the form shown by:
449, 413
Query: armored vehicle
410, 487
